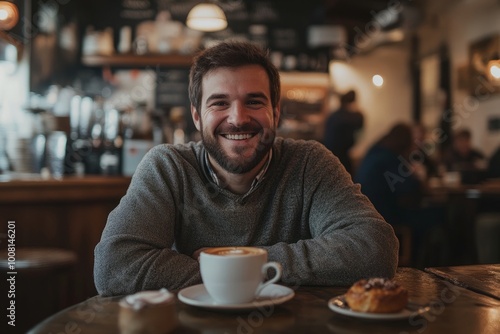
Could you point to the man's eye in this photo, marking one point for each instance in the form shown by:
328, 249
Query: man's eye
218, 104
254, 102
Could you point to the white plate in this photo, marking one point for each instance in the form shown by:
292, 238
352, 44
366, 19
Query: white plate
339, 305
273, 294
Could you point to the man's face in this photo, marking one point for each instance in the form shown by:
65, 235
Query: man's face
236, 120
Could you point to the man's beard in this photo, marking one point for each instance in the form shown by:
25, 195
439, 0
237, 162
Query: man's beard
239, 165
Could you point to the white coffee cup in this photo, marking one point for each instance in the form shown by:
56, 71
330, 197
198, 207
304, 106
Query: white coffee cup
235, 275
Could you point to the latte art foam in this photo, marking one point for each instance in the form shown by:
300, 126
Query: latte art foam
234, 251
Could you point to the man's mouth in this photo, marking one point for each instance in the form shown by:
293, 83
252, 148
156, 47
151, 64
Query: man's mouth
238, 136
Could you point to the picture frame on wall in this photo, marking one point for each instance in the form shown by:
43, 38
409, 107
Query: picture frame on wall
481, 53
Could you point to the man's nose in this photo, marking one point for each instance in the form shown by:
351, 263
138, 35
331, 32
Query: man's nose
237, 114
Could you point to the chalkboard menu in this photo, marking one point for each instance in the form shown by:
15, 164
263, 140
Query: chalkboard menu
172, 92
172, 88
137, 9
115, 13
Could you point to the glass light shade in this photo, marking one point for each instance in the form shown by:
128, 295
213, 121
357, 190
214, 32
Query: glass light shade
378, 80
494, 69
206, 17
9, 15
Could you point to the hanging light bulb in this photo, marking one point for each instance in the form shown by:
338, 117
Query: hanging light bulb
9, 15
206, 17
378, 80
494, 69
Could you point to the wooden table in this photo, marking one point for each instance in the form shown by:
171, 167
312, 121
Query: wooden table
463, 203
453, 309
481, 278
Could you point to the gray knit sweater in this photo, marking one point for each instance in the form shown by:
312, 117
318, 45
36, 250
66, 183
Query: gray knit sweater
306, 212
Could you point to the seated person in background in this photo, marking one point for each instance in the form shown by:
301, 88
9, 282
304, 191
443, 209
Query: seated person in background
426, 166
461, 156
494, 165
240, 186
386, 175
388, 179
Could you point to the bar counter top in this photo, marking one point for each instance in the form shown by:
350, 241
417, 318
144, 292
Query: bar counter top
34, 188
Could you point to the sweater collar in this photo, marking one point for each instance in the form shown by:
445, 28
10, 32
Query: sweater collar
260, 176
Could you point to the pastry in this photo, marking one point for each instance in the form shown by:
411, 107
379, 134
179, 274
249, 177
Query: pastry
148, 312
377, 295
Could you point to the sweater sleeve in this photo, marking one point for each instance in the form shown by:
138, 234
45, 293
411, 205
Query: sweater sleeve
136, 251
349, 239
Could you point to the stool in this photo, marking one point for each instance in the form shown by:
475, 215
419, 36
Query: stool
42, 283
404, 235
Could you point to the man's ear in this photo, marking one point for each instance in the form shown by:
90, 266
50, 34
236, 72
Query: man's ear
196, 118
277, 114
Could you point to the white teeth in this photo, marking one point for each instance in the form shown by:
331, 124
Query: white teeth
238, 137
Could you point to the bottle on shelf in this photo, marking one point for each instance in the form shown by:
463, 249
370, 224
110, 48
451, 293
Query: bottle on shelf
179, 125
5, 166
110, 160
138, 137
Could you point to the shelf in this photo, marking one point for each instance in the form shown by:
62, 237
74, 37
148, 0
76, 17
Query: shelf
127, 60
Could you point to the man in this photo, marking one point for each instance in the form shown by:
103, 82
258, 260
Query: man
240, 186
494, 165
341, 127
462, 156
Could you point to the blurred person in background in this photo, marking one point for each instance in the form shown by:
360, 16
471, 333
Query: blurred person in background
341, 128
494, 165
388, 179
426, 166
461, 156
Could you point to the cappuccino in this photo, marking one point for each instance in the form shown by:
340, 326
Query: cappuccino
234, 251
234, 275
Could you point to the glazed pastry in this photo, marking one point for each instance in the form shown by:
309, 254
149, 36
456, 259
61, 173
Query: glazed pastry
376, 295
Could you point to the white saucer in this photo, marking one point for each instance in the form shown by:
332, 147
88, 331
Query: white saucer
272, 294
339, 305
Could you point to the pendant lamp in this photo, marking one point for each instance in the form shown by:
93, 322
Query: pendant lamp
206, 17
9, 15
494, 69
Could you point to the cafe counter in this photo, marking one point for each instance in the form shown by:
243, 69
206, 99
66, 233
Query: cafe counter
68, 213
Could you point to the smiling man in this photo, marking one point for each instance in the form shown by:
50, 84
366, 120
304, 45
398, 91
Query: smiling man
241, 186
